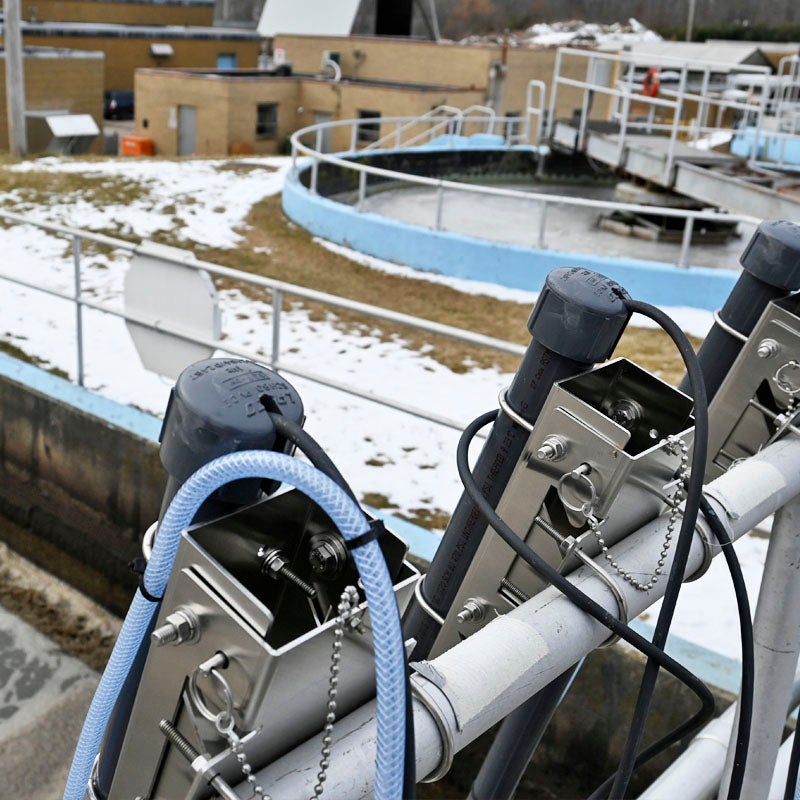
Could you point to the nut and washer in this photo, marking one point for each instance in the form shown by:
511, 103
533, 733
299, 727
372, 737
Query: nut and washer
767, 348
180, 627
553, 448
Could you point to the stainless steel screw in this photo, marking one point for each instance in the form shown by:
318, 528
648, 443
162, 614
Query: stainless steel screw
767, 348
276, 565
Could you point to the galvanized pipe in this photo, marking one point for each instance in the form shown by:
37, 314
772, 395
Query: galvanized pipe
776, 629
466, 690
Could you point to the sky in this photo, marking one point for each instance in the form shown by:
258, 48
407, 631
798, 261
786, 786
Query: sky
408, 461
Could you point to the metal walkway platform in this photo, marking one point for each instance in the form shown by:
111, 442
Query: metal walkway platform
700, 174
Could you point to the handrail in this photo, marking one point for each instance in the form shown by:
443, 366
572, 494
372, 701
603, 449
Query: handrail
396, 135
625, 92
339, 160
279, 290
441, 185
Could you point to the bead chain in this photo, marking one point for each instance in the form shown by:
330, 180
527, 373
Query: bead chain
347, 602
677, 499
238, 750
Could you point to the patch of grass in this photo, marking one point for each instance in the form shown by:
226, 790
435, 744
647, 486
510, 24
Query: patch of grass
377, 500
296, 258
434, 519
15, 352
42, 187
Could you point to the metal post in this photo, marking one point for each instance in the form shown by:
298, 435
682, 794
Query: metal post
294, 159
551, 118
439, 206
517, 741
702, 111
277, 307
677, 112
318, 144
585, 110
777, 644
757, 133
353, 137
686, 242
362, 189
314, 172
76, 261
15, 79
542, 222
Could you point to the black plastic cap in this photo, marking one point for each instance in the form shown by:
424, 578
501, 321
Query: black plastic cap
214, 409
773, 254
580, 315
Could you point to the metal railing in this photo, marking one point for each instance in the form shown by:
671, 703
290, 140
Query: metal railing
614, 76
441, 186
279, 290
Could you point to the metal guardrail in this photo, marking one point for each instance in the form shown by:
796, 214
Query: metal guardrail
362, 172
619, 83
279, 291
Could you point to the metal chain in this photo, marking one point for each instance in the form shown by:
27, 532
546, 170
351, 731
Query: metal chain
224, 724
347, 602
672, 442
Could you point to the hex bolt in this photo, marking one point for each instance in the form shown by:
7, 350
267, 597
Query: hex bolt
625, 413
767, 348
181, 626
327, 555
275, 564
474, 611
553, 448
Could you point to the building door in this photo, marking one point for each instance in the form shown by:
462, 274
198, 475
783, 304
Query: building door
187, 130
326, 144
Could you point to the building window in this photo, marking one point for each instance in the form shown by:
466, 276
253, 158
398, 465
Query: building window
267, 120
226, 60
369, 131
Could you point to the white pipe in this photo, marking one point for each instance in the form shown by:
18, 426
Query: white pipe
481, 680
696, 773
776, 629
778, 784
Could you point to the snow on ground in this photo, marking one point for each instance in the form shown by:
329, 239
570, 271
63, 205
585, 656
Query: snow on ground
409, 461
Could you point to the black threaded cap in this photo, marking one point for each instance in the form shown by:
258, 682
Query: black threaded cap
773, 254
580, 314
214, 409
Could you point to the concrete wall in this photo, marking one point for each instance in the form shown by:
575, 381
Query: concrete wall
131, 12
481, 259
84, 488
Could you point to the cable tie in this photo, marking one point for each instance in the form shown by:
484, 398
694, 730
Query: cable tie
376, 530
137, 567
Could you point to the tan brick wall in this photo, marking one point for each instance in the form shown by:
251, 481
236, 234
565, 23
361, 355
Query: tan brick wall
158, 95
72, 84
123, 56
226, 107
139, 13
394, 59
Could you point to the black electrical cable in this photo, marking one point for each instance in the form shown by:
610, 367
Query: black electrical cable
748, 669
572, 592
682, 545
288, 429
305, 442
794, 763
